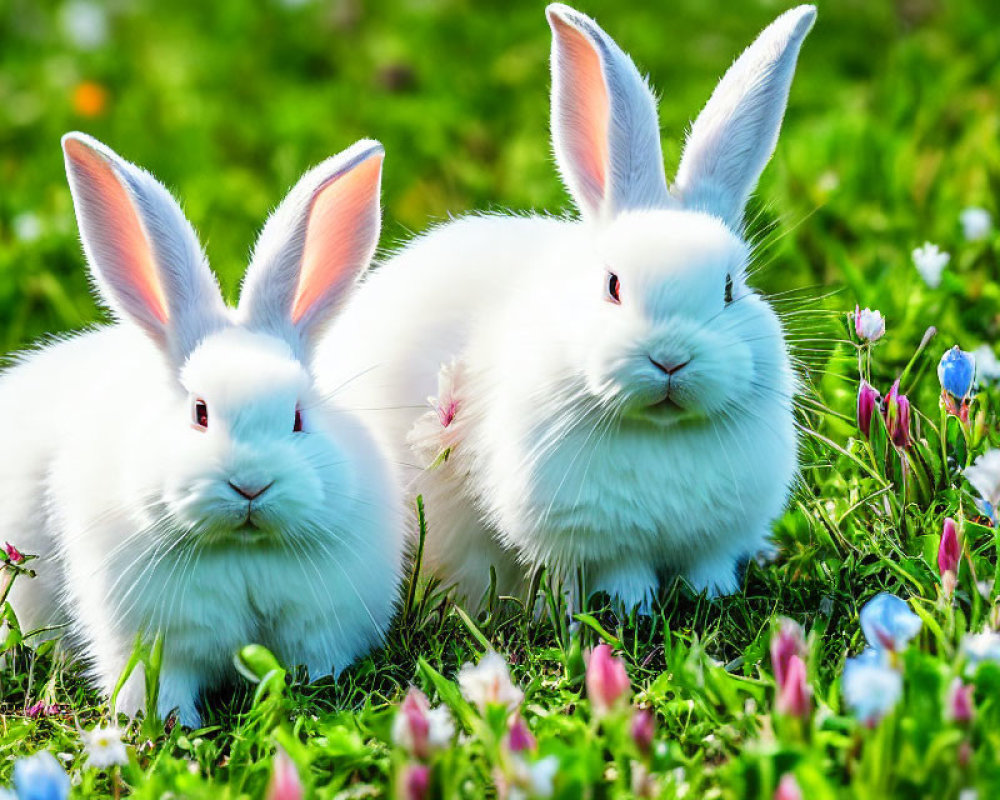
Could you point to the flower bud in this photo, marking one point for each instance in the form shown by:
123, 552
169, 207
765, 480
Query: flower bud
948, 551
960, 701
285, 782
788, 788
868, 325
868, 401
956, 372
13, 554
642, 729
519, 737
794, 693
897, 416
607, 680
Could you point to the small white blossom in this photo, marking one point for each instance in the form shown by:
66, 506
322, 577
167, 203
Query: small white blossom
980, 647
871, 690
976, 223
85, 24
987, 364
27, 226
488, 683
984, 475
868, 324
104, 747
440, 727
532, 779
930, 262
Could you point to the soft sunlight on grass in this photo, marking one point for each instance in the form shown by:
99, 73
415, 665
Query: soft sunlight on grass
893, 130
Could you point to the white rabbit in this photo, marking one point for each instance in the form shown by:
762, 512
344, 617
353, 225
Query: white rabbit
612, 397
178, 471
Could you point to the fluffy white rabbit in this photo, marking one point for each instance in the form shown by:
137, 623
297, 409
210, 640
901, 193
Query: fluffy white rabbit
613, 398
179, 471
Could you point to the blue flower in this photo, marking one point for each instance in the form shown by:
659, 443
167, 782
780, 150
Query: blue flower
888, 623
871, 689
39, 777
956, 371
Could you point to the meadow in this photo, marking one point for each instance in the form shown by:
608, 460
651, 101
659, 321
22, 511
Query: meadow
892, 132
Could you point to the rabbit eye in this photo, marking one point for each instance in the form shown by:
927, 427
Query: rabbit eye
297, 428
613, 286
729, 289
199, 414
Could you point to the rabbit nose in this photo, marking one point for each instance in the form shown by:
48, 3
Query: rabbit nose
250, 491
670, 367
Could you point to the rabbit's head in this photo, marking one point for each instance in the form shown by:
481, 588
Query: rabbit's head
660, 278
242, 446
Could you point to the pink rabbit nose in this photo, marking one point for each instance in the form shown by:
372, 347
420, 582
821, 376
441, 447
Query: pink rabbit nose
671, 367
250, 491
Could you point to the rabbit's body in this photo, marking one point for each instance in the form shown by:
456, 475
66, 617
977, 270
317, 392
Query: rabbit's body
611, 395
213, 497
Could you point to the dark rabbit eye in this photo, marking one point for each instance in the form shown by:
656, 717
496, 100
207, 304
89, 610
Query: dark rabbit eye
297, 428
729, 289
614, 287
199, 414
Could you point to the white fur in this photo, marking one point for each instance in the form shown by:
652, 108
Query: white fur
128, 504
560, 449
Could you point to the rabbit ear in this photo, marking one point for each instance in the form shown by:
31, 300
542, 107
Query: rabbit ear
605, 129
315, 245
734, 136
143, 255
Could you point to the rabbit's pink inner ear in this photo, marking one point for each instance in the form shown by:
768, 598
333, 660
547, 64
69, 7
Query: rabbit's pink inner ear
584, 110
123, 250
340, 235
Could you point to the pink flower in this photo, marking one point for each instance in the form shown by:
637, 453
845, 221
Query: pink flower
285, 782
794, 693
788, 788
789, 641
420, 729
960, 701
13, 554
642, 730
607, 680
41, 709
519, 737
897, 416
868, 402
948, 551
415, 782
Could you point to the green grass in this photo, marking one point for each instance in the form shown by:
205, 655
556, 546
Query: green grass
893, 128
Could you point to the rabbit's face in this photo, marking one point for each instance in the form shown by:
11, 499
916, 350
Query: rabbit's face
254, 461
681, 335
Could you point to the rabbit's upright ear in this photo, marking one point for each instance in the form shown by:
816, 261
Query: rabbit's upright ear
314, 246
734, 136
143, 255
605, 128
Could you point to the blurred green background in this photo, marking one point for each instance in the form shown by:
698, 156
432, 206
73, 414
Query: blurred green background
892, 128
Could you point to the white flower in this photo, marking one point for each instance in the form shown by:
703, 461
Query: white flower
440, 727
868, 324
976, 223
980, 647
27, 226
871, 689
930, 262
85, 24
104, 747
984, 475
987, 364
532, 779
488, 683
